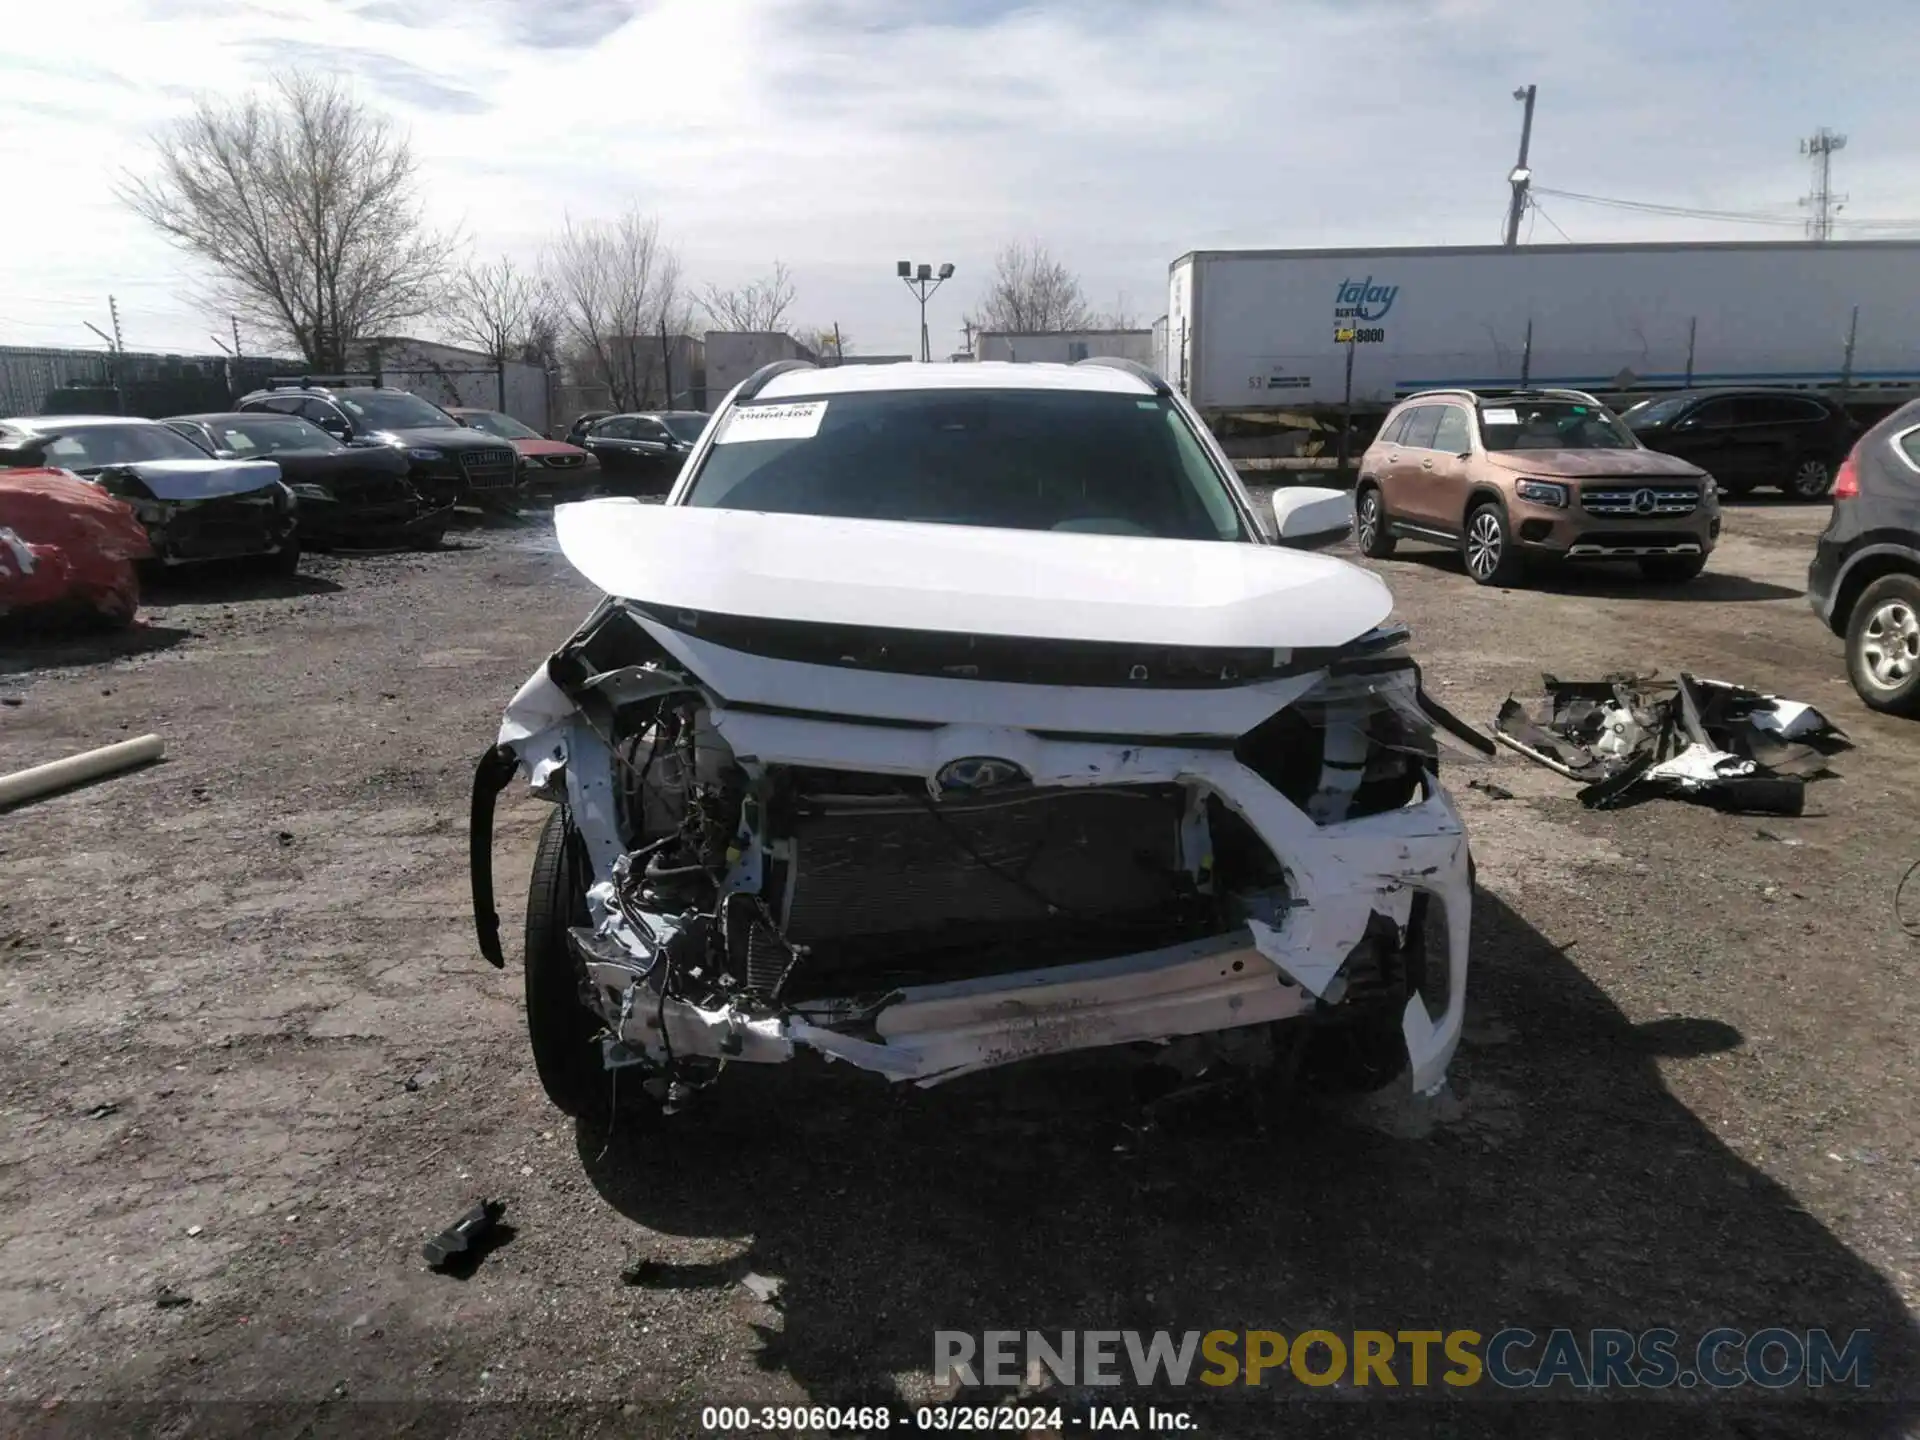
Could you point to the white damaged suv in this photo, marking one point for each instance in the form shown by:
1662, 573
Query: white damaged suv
952, 715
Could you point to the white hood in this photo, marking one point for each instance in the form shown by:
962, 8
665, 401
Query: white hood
1033, 584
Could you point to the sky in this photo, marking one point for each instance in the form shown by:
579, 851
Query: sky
840, 136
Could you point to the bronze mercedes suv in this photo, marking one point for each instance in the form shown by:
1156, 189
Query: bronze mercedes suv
1518, 477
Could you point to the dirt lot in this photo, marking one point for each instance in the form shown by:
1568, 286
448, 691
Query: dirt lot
253, 1057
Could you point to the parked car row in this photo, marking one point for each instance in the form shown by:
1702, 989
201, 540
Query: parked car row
329, 463
1522, 479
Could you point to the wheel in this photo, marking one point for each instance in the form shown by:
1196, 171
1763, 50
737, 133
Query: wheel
1491, 558
1810, 480
285, 560
1672, 569
1883, 645
560, 1027
1370, 524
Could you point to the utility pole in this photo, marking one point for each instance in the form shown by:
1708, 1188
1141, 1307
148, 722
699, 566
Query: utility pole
113, 349
1526, 356
237, 352
839, 355
1521, 177
1846, 362
666, 363
113, 309
1820, 146
1693, 325
922, 281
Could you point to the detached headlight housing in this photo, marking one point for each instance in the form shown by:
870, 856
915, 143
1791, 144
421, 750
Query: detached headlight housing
312, 492
425, 452
1542, 492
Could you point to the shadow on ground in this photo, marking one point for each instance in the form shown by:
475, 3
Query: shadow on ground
1571, 1190
229, 584
27, 646
1611, 581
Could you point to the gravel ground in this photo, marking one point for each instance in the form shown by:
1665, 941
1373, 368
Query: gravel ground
254, 1059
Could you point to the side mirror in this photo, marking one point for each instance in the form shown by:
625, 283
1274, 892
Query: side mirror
226, 455
1308, 517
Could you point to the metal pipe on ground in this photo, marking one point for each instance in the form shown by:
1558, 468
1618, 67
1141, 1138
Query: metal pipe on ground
31, 784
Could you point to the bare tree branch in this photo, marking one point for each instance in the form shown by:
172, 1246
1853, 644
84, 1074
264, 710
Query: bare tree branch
1031, 292
303, 204
496, 308
617, 287
757, 305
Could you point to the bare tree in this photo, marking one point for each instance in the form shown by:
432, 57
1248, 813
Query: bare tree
617, 287
303, 203
757, 305
502, 311
1031, 292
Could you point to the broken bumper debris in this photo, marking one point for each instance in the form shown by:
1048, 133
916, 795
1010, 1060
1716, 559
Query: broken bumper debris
1631, 738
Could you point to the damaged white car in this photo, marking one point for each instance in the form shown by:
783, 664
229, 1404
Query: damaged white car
947, 716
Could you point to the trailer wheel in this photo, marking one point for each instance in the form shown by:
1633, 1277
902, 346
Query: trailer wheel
1370, 524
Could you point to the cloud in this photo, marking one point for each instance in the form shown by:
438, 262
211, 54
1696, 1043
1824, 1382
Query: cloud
389, 75
842, 135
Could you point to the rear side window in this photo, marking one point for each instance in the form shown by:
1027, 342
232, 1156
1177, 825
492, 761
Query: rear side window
1423, 423
1391, 432
1910, 447
1777, 410
1716, 414
1453, 436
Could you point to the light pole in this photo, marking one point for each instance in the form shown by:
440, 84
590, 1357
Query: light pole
922, 280
1521, 177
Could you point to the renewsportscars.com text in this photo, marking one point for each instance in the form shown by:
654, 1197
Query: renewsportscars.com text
1514, 1358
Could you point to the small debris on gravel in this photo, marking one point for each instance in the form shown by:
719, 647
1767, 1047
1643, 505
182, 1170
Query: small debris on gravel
194, 1230
465, 1237
763, 1288
285, 837
11, 700
168, 1298
1490, 788
103, 1110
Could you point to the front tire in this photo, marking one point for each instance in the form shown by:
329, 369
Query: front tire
1370, 524
1811, 479
1672, 569
560, 1027
1883, 645
1488, 548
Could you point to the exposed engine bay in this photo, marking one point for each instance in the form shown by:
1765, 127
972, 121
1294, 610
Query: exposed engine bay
925, 899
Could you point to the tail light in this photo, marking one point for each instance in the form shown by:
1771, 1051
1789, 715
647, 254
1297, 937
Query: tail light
1846, 483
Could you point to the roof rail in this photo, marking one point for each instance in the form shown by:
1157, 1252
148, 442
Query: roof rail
1133, 368
757, 381
303, 382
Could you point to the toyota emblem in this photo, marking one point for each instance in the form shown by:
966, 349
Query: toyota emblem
1643, 502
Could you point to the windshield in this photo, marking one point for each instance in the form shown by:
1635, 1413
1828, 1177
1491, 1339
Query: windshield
505, 426
685, 426
1649, 413
395, 410
269, 435
87, 447
1013, 459
1550, 425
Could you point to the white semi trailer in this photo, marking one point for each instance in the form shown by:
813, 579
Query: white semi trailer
1263, 331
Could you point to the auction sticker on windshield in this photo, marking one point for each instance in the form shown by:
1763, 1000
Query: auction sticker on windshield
1500, 417
799, 421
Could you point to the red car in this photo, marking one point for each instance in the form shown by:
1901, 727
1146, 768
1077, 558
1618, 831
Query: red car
549, 468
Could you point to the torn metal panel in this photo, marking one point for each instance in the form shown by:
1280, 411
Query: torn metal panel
1629, 738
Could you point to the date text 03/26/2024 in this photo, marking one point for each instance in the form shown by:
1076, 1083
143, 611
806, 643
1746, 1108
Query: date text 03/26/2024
963, 1419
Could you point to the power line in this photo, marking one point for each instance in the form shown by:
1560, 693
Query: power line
1691, 212
1551, 221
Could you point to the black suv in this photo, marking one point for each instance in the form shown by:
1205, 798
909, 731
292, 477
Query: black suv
1746, 438
447, 462
640, 451
1865, 577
